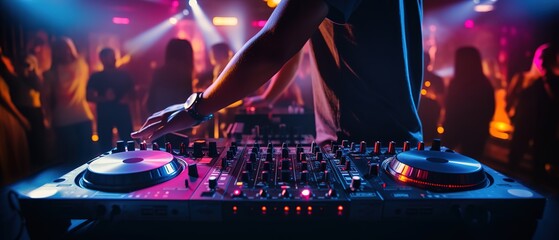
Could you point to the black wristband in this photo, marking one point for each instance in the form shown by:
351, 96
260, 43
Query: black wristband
190, 107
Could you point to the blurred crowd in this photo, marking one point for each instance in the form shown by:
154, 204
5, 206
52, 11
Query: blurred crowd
54, 109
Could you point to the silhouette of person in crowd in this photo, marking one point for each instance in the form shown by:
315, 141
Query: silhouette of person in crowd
112, 90
469, 105
66, 106
520, 108
172, 81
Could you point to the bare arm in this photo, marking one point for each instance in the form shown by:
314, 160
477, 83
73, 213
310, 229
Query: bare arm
280, 82
288, 28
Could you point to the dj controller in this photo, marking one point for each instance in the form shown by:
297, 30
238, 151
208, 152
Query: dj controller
228, 180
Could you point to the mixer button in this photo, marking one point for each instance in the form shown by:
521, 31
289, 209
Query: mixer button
193, 170
362, 147
339, 154
130, 146
355, 183
285, 193
373, 169
343, 160
406, 146
237, 193
212, 182
347, 166
263, 193
391, 147
436, 145
376, 149
345, 143
284, 152
212, 151
143, 146
230, 154
421, 146
154, 146
322, 165
120, 146
197, 148
252, 157
304, 165
319, 156
182, 149
331, 193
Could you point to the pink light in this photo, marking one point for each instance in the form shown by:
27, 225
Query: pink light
175, 4
469, 23
121, 20
259, 23
306, 192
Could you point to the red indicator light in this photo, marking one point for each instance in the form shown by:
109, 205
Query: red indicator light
298, 208
309, 208
286, 208
264, 208
235, 208
340, 208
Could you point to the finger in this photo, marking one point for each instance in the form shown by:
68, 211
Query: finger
147, 131
157, 133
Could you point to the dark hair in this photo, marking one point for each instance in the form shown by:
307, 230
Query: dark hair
467, 63
106, 52
179, 51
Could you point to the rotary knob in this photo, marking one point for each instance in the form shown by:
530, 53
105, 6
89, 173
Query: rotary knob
319, 156
130, 146
376, 150
182, 149
154, 146
212, 182
193, 170
331, 193
355, 183
168, 147
212, 149
143, 146
263, 193
436, 145
120, 146
420, 146
391, 147
252, 157
285, 193
373, 169
406, 146
339, 154
362, 147
197, 149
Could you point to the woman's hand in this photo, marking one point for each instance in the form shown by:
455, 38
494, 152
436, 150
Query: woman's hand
170, 119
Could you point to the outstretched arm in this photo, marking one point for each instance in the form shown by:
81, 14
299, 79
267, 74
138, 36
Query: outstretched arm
279, 83
288, 28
